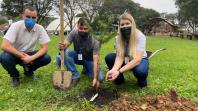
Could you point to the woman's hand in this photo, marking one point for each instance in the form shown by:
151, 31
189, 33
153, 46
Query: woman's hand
112, 75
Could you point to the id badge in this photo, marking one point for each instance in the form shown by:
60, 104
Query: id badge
80, 57
126, 60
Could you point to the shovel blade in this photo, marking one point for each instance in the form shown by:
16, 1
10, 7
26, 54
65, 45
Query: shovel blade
62, 81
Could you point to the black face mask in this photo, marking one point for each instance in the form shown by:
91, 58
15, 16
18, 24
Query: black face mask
83, 34
126, 32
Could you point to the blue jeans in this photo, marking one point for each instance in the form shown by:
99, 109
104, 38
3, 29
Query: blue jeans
140, 71
9, 62
71, 58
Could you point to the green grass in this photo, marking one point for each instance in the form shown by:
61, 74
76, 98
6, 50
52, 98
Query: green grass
176, 67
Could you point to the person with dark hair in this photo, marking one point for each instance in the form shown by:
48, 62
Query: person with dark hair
18, 46
86, 53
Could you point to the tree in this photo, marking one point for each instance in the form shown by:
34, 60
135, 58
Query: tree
188, 13
112, 9
90, 8
117, 7
143, 18
71, 10
103, 22
13, 8
3, 20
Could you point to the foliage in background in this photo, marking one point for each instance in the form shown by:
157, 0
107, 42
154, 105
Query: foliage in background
112, 9
144, 16
90, 8
3, 20
100, 13
103, 23
13, 8
188, 13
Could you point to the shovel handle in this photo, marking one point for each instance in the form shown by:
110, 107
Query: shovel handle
61, 34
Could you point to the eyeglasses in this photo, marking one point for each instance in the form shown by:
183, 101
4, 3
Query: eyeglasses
81, 28
30, 17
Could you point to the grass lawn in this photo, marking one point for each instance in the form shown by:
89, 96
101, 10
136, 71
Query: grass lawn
177, 67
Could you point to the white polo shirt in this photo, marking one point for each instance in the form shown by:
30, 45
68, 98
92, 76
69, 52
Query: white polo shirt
22, 39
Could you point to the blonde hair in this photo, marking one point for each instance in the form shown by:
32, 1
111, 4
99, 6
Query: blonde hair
133, 36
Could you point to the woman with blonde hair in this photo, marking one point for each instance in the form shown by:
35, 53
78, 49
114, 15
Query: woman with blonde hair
130, 53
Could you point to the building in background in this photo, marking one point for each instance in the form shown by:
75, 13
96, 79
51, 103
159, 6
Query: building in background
54, 26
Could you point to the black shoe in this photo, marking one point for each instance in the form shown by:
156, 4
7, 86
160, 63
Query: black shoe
142, 84
29, 74
84, 71
15, 82
32, 76
27, 71
119, 80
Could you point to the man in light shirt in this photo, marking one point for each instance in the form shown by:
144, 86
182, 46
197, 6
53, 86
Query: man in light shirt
18, 46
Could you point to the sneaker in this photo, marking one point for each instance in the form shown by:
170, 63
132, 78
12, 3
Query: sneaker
74, 82
15, 81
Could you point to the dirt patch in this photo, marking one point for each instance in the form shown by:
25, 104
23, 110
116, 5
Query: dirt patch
105, 96
166, 102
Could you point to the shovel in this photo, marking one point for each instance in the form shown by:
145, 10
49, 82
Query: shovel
62, 79
96, 87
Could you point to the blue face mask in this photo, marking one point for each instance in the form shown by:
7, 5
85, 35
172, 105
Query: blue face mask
29, 22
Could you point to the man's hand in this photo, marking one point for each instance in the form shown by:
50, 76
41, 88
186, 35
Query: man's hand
23, 54
27, 59
94, 82
62, 46
112, 75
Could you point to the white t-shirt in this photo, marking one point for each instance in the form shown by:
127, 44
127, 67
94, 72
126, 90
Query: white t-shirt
22, 39
141, 43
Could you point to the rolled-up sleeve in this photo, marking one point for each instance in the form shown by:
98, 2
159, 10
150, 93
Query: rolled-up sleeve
71, 35
11, 33
43, 37
96, 47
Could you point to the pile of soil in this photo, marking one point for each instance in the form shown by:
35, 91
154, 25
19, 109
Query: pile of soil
169, 101
105, 96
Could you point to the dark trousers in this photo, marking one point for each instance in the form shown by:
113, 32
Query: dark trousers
140, 71
9, 62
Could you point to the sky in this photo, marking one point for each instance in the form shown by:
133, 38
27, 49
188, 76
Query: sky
158, 5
